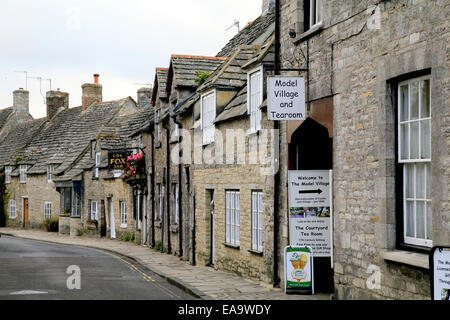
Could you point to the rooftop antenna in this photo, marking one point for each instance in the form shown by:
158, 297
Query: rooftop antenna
40, 86
235, 23
49, 80
142, 84
26, 78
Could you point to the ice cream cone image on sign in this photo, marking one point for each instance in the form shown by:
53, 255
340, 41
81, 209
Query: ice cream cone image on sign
298, 262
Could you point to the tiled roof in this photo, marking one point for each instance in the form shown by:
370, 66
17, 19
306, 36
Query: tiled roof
17, 138
4, 114
256, 33
67, 134
236, 108
161, 82
186, 68
230, 74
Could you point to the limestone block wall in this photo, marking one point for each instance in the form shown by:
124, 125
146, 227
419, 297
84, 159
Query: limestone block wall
356, 58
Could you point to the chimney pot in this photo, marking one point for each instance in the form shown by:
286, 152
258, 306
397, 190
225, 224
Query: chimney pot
96, 77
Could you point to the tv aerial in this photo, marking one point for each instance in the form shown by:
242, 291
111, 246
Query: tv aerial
235, 24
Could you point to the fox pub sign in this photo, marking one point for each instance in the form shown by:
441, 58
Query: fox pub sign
117, 160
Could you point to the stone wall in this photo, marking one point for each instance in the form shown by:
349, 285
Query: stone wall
357, 55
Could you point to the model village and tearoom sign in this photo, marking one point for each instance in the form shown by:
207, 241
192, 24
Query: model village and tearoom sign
286, 98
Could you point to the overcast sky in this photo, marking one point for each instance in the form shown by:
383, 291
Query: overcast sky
124, 41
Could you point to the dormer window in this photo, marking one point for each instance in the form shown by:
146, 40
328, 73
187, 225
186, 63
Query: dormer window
97, 164
49, 174
255, 97
208, 114
23, 174
93, 147
8, 171
313, 12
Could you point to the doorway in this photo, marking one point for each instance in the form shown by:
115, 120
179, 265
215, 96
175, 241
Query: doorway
311, 148
210, 208
102, 219
25, 211
112, 223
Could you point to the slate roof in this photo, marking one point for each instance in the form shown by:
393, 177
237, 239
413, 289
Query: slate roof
4, 114
185, 69
17, 138
230, 74
160, 84
256, 33
67, 134
236, 108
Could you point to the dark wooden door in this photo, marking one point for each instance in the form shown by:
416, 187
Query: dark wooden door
25, 211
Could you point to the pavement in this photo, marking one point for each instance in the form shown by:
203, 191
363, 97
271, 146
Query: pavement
199, 281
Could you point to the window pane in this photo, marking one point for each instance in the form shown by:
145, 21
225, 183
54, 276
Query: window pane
428, 182
414, 140
404, 141
425, 98
409, 181
420, 181
409, 216
420, 219
414, 87
425, 139
404, 113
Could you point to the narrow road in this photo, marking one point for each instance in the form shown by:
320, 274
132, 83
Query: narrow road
39, 270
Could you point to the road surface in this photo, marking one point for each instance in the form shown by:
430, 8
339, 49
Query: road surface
40, 270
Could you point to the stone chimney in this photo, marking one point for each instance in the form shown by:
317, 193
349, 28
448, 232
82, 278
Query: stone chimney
21, 101
267, 5
56, 101
144, 96
92, 93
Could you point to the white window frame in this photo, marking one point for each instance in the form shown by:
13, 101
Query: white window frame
8, 171
23, 173
253, 109
413, 163
207, 119
232, 218
123, 214
12, 209
49, 173
315, 17
94, 213
257, 221
47, 210
98, 156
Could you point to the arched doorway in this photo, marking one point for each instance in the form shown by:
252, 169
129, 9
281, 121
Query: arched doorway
311, 148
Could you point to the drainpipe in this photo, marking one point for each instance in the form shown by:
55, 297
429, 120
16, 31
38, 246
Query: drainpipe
169, 249
180, 192
276, 126
193, 234
162, 215
152, 190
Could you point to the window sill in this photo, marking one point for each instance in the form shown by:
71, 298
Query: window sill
415, 259
232, 246
259, 253
75, 217
158, 145
311, 32
174, 228
157, 224
123, 226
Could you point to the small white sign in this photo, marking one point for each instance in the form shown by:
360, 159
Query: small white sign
286, 98
441, 273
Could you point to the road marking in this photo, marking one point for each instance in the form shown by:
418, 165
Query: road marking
134, 268
28, 292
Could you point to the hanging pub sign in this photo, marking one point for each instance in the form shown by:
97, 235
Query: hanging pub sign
117, 160
440, 273
286, 98
298, 270
310, 211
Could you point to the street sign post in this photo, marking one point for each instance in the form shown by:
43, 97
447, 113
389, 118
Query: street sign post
310, 211
298, 270
286, 98
440, 273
